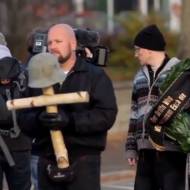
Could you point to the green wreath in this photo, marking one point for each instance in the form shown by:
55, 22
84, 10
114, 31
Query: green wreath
179, 128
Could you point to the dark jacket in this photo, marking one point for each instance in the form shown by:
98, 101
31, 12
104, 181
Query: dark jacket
90, 121
22, 142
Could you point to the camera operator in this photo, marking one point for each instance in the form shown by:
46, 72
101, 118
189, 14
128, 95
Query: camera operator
36, 43
84, 125
88, 47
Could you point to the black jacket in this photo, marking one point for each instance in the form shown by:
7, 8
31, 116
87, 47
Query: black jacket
90, 121
22, 142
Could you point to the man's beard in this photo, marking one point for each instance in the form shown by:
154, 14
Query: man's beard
62, 59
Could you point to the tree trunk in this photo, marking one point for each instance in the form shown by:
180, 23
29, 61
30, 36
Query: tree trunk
184, 43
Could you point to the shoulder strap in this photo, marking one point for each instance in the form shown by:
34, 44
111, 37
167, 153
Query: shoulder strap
15, 131
21, 81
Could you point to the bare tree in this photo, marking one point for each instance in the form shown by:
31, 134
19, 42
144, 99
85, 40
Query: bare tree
184, 44
19, 17
14, 21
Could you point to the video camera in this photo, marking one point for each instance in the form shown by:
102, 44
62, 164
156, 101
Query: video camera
85, 39
40, 42
90, 39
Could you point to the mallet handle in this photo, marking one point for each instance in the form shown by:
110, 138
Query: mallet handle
56, 136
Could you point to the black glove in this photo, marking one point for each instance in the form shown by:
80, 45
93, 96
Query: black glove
64, 175
54, 121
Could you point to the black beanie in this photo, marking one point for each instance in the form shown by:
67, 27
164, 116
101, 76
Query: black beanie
150, 38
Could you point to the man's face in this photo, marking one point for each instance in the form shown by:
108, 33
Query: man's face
142, 55
59, 45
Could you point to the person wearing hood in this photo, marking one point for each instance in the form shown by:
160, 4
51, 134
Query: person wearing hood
158, 170
14, 144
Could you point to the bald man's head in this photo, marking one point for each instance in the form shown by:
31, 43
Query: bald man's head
62, 41
64, 29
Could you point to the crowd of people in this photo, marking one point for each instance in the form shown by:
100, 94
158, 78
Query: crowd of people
27, 154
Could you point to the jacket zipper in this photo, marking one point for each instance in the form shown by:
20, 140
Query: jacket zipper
147, 103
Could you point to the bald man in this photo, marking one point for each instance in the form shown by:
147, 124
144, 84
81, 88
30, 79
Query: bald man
84, 125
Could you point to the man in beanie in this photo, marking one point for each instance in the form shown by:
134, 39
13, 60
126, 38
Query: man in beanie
14, 144
158, 170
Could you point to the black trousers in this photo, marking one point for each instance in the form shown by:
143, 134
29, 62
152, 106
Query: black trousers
87, 175
18, 177
160, 171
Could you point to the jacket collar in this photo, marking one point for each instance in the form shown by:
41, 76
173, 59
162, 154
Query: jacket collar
173, 61
81, 65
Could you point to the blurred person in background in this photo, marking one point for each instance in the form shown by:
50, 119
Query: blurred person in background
33, 37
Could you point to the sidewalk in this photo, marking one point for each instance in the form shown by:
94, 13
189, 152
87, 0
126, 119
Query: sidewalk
116, 173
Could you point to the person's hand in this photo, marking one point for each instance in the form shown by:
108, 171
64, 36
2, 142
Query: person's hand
132, 161
54, 121
88, 53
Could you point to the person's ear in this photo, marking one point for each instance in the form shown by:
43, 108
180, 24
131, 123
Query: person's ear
73, 45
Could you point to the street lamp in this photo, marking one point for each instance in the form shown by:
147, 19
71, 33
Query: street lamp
110, 15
